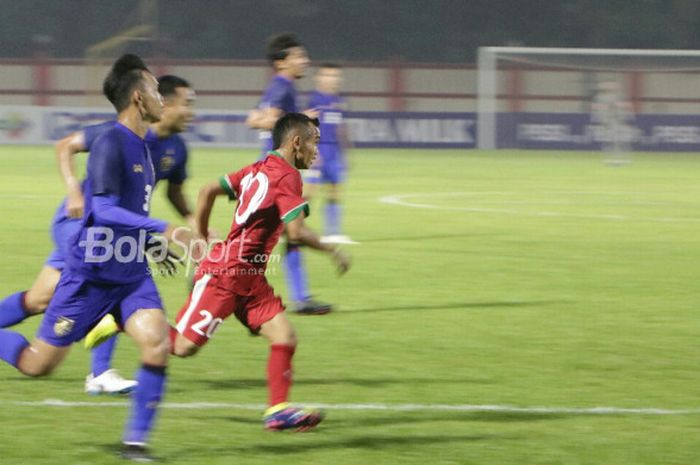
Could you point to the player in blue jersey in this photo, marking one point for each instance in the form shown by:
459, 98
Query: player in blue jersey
169, 155
106, 269
290, 62
330, 167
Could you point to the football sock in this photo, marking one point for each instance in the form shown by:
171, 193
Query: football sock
11, 346
332, 217
12, 309
144, 403
102, 356
279, 372
296, 274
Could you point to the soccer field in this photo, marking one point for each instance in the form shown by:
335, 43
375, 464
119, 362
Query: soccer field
504, 308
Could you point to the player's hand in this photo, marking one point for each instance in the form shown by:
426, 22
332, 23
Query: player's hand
166, 259
341, 260
75, 204
312, 113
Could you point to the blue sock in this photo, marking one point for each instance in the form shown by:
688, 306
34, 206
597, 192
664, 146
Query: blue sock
296, 274
144, 403
102, 356
11, 346
12, 310
332, 217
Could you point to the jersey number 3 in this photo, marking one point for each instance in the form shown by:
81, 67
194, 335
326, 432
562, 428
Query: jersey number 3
253, 192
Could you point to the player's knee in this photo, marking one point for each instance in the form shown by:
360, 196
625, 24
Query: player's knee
184, 348
284, 335
154, 348
37, 370
35, 302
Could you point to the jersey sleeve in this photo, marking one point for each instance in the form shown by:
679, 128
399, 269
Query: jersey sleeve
104, 166
231, 184
314, 101
289, 201
91, 133
179, 173
276, 97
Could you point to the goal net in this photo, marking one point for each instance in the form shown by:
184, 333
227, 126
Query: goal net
588, 99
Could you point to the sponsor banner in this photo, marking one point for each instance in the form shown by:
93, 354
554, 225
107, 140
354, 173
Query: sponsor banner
576, 131
44, 125
541, 131
412, 130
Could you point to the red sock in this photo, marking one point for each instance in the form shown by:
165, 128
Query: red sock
279, 372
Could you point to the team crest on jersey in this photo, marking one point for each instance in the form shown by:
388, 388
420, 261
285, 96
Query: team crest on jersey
138, 168
166, 163
63, 326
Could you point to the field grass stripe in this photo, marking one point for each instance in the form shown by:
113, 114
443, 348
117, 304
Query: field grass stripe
374, 407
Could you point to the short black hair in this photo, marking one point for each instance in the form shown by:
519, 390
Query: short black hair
168, 84
125, 75
288, 123
278, 46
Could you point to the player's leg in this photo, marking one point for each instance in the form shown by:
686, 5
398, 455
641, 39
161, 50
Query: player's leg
265, 315
103, 379
17, 307
208, 305
37, 358
144, 320
333, 210
333, 175
74, 308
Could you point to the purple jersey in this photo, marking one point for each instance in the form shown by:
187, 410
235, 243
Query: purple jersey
120, 166
169, 154
280, 93
331, 109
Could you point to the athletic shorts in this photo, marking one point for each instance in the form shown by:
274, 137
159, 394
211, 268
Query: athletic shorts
78, 305
63, 229
215, 297
329, 168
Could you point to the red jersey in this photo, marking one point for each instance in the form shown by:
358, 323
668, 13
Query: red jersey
269, 194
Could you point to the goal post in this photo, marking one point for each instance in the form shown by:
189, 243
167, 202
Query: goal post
540, 97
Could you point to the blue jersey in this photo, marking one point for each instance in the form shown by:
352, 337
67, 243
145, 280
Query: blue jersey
330, 109
120, 166
280, 93
169, 154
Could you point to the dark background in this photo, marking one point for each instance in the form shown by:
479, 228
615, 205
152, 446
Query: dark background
351, 30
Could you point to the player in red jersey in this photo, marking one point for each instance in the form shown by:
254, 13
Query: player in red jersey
231, 280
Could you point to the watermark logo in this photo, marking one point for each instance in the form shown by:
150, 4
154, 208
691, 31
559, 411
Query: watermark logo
240, 255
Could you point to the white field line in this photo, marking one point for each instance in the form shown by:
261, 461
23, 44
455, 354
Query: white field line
57, 403
402, 200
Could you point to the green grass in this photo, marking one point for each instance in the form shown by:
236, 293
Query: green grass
536, 279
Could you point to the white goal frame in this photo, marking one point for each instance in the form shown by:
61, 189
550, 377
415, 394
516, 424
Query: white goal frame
487, 77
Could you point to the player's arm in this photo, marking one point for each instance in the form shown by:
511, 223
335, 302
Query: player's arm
177, 199
263, 118
205, 203
297, 232
66, 149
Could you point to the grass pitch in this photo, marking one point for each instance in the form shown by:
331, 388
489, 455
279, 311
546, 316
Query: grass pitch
507, 279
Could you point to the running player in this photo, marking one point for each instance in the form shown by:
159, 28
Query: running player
330, 167
106, 269
169, 155
289, 61
231, 280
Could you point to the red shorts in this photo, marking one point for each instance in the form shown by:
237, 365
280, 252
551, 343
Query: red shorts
215, 297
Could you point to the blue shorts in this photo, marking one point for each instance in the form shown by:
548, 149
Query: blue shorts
79, 304
63, 229
329, 168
